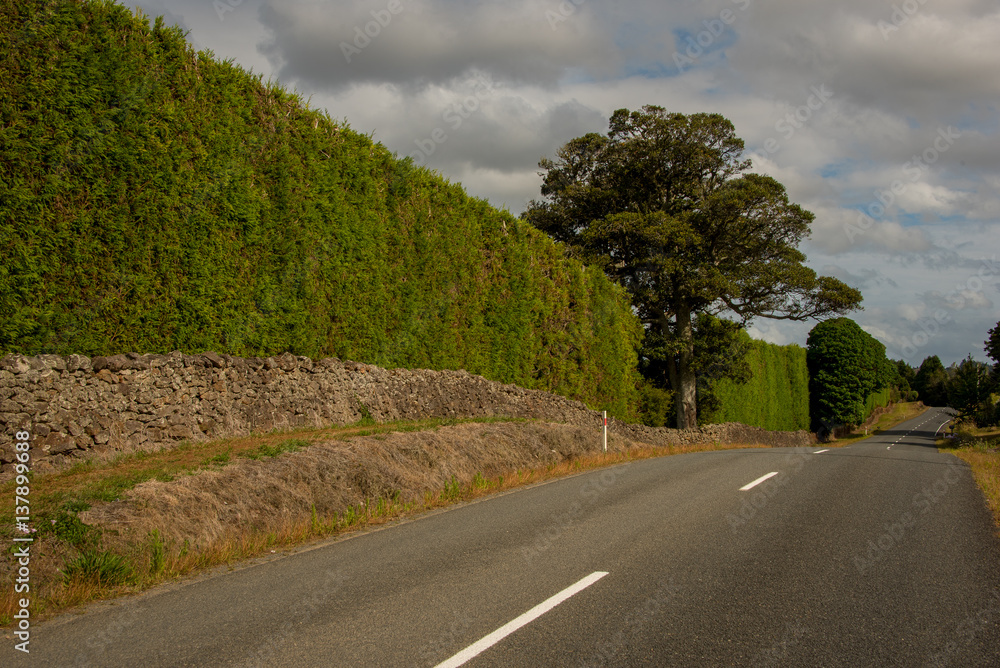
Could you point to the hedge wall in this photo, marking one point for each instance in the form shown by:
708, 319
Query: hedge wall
777, 395
156, 199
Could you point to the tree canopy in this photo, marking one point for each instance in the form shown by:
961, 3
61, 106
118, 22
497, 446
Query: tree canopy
846, 366
970, 388
931, 382
993, 344
664, 204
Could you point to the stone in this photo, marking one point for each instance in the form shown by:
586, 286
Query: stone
57, 443
117, 363
15, 364
56, 362
77, 363
214, 359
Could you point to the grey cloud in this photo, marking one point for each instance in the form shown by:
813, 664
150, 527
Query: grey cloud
503, 131
864, 278
940, 64
325, 44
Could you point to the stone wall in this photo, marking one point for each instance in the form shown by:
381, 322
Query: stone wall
76, 407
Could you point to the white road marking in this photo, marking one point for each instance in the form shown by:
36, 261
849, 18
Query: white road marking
482, 645
758, 481
819, 452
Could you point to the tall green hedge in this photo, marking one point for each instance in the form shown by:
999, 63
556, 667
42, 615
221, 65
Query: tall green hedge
775, 397
156, 199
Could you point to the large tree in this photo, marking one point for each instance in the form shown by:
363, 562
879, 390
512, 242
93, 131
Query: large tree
970, 389
665, 205
846, 366
931, 382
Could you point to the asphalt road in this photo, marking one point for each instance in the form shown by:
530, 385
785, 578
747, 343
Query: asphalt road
878, 554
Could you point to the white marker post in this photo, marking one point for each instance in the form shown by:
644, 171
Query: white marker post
605, 431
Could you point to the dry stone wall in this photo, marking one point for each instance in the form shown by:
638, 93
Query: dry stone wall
76, 407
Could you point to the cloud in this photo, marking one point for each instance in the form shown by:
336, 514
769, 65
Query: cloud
940, 61
862, 279
330, 45
841, 230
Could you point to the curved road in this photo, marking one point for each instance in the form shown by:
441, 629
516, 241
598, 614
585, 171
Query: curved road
882, 553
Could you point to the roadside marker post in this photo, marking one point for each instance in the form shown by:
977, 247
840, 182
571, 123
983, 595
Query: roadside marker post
605, 431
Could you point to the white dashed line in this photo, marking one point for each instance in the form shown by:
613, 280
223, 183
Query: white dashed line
758, 481
513, 625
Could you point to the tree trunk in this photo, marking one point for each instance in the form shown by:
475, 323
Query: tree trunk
687, 384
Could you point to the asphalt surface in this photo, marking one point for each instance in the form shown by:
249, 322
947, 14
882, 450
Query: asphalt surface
882, 553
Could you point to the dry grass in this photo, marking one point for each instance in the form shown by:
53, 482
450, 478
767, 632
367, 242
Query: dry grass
981, 449
900, 413
203, 505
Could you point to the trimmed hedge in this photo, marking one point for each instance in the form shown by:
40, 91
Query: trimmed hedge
156, 199
776, 397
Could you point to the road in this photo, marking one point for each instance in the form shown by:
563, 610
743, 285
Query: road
877, 554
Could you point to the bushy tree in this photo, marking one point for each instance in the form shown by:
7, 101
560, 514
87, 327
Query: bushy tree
846, 366
971, 387
664, 205
931, 382
905, 377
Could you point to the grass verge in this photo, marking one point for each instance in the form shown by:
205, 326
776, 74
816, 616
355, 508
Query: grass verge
74, 563
981, 449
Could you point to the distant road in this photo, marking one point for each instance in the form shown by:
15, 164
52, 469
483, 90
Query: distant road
878, 554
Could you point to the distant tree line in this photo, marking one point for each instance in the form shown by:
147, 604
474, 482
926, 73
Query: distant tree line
970, 387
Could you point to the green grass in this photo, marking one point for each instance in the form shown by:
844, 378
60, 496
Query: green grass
266, 450
98, 568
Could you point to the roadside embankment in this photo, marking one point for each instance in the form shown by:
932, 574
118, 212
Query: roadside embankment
77, 408
103, 529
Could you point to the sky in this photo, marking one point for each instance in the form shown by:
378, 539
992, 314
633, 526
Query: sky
878, 116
